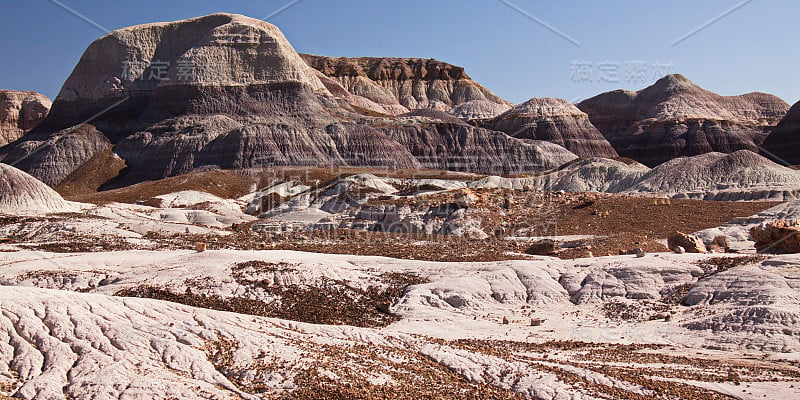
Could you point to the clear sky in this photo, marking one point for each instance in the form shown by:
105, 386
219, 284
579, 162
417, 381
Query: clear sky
517, 48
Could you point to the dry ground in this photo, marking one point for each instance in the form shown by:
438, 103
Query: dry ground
617, 222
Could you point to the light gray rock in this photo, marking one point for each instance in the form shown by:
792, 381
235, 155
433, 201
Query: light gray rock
755, 305
742, 175
642, 279
22, 194
479, 109
593, 175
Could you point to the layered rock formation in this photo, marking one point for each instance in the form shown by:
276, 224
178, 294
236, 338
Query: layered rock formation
783, 142
779, 236
398, 85
462, 147
479, 109
51, 157
674, 117
557, 121
228, 91
19, 113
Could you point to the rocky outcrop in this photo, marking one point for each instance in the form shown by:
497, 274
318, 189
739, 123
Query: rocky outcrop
783, 142
779, 236
754, 302
579, 175
686, 243
19, 113
228, 91
554, 120
22, 194
674, 117
204, 64
399, 85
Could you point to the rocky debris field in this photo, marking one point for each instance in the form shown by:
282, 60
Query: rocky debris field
497, 225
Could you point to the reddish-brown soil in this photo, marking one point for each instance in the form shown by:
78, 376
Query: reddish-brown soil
92, 174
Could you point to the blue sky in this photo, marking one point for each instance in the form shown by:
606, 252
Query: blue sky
622, 44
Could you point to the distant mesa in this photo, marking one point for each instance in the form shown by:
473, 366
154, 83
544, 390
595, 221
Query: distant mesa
674, 118
20, 112
400, 85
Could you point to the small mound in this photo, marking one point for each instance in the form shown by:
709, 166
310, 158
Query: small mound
479, 109
594, 175
22, 194
544, 107
742, 170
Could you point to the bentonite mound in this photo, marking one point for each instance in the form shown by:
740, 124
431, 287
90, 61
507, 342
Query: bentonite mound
557, 121
19, 113
674, 117
739, 176
228, 91
22, 194
593, 175
742, 175
399, 85
51, 157
783, 142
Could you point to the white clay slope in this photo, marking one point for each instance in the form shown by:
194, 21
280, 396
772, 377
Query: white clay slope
22, 194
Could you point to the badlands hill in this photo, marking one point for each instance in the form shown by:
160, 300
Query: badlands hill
251, 101
739, 176
674, 117
19, 113
783, 142
399, 85
21, 194
556, 121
